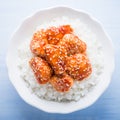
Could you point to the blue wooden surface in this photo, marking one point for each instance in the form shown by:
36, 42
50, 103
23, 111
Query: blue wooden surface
12, 107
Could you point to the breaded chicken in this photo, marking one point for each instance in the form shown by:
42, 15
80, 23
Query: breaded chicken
56, 55
63, 83
55, 34
41, 69
38, 42
78, 66
73, 44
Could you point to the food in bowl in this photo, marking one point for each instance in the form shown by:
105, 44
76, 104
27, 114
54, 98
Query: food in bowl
62, 61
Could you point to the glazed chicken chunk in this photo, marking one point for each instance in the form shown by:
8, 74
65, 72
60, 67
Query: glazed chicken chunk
41, 69
38, 42
63, 83
73, 44
56, 55
55, 34
78, 66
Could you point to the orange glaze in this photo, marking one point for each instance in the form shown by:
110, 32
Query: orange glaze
55, 34
78, 66
63, 83
38, 42
61, 57
73, 44
41, 69
56, 55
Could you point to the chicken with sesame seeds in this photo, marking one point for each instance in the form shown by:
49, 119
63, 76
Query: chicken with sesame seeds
56, 55
73, 44
38, 42
55, 34
61, 57
62, 84
78, 66
41, 69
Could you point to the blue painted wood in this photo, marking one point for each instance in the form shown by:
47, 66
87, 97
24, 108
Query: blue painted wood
12, 107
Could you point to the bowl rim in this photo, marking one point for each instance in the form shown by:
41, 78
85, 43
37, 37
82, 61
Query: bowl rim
75, 10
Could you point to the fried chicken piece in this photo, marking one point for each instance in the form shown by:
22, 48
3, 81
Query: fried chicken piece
38, 42
73, 44
78, 66
55, 34
63, 83
55, 55
41, 69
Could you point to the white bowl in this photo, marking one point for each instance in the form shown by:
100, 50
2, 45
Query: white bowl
26, 28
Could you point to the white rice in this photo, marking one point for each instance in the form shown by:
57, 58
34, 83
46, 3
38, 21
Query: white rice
79, 89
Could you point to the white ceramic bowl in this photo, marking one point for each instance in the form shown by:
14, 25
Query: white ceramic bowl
26, 28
